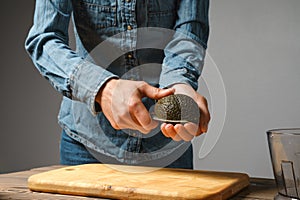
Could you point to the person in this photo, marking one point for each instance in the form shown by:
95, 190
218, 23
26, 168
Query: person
105, 113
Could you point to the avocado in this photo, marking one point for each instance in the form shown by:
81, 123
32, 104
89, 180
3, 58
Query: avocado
177, 108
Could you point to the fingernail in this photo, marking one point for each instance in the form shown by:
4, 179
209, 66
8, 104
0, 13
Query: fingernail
168, 126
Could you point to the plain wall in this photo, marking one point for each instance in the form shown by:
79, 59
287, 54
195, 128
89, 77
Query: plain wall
255, 45
29, 105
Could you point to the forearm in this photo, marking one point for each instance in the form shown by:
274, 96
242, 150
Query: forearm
185, 53
47, 44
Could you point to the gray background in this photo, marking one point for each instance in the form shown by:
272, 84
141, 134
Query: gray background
255, 45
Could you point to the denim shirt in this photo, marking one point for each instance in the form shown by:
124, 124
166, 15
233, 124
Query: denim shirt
78, 77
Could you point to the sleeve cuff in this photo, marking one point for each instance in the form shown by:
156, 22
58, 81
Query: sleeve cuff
86, 81
183, 62
172, 75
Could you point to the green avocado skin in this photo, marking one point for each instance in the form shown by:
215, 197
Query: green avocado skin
177, 107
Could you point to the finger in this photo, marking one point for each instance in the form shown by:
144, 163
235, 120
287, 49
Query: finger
193, 129
154, 92
110, 118
172, 133
204, 126
132, 124
204, 113
141, 116
183, 133
114, 124
125, 121
163, 130
204, 120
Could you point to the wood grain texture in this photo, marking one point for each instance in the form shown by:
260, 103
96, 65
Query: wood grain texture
128, 182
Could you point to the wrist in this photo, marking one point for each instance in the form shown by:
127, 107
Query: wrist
106, 90
182, 88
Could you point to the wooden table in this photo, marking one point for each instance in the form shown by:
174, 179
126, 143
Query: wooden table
14, 186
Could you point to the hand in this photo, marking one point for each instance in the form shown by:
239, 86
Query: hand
188, 130
121, 103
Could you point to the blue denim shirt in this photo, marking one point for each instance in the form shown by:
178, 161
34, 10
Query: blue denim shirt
79, 77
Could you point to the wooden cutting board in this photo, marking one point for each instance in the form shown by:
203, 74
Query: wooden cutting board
128, 182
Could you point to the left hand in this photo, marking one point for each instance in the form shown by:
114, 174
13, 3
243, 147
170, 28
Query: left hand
188, 130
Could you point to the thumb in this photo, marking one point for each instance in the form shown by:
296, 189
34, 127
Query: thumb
154, 92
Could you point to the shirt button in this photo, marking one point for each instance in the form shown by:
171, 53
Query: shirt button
128, 1
129, 27
129, 56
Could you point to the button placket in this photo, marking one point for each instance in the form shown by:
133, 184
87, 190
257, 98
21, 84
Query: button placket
129, 27
130, 36
129, 56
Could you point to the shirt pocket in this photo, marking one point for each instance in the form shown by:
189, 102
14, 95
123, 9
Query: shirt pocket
162, 13
98, 14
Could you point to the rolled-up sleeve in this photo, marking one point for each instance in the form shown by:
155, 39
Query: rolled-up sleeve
47, 44
185, 53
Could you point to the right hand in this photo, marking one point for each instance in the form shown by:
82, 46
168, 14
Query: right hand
121, 103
